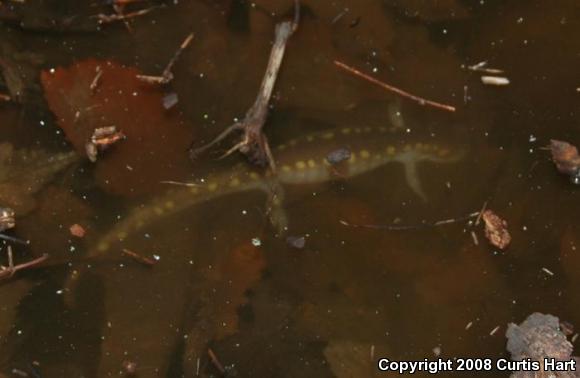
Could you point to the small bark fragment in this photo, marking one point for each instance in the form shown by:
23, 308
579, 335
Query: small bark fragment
77, 230
102, 138
6, 219
496, 230
565, 156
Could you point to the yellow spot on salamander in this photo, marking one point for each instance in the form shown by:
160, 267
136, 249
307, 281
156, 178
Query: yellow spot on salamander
292, 142
286, 168
169, 205
346, 131
193, 190
158, 211
282, 147
300, 164
254, 175
408, 147
311, 163
103, 246
368, 129
212, 186
391, 150
365, 154
357, 130
122, 235
352, 157
419, 146
309, 138
328, 136
234, 182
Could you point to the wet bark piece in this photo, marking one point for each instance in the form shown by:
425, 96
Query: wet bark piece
156, 140
496, 230
565, 156
539, 337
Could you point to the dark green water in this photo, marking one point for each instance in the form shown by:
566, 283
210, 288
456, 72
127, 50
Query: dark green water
352, 295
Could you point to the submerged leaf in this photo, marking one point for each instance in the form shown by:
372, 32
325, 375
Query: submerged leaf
156, 144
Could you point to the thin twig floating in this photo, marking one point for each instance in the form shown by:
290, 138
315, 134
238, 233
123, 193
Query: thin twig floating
254, 144
141, 259
109, 18
13, 239
188, 184
395, 227
7, 272
166, 76
214, 360
482, 67
396, 90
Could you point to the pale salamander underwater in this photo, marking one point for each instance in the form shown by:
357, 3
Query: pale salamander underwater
300, 161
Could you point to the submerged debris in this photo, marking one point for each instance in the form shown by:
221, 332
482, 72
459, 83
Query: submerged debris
77, 230
539, 338
167, 75
11, 269
499, 81
254, 143
140, 259
102, 138
496, 230
6, 219
566, 158
297, 242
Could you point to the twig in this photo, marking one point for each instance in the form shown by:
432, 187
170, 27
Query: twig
254, 143
480, 213
214, 360
96, 80
13, 239
141, 259
109, 18
392, 227
188, 184
390, 88
166, 76
11, 270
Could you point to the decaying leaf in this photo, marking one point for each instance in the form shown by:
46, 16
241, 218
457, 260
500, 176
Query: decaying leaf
566, 158
156, 140
496, 230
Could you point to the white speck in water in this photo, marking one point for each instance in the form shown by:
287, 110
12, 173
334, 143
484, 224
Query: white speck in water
375, 70
524, 228
59, 292
244, 212
256, 242
532, 138
408, 131
520, 20
157, 257
42, 123
134, 94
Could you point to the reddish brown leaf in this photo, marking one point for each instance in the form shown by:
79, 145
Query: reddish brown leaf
496, 230
156, 143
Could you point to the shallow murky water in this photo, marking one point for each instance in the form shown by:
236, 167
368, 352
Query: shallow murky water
226, 280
